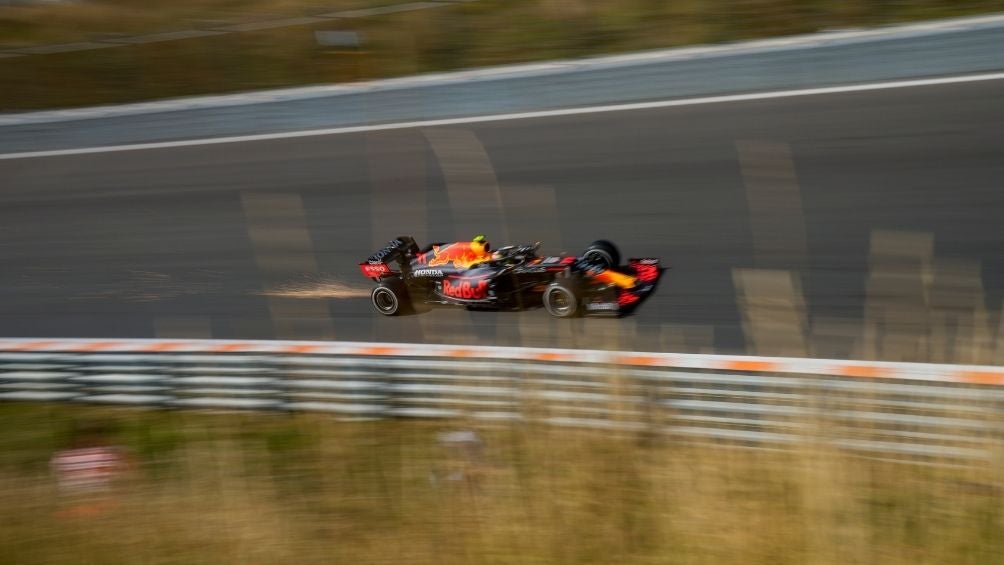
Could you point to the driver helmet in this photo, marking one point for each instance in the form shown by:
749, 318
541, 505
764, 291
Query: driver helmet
480, 244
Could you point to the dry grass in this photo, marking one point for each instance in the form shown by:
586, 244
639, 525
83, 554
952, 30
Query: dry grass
277, 488
487, 32
41, 24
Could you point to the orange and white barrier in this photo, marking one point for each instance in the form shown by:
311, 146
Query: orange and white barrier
890, 410
969, 374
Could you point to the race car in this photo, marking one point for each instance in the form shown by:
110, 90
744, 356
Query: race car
515, 277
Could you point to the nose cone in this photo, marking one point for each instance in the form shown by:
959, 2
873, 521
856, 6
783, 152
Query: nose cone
618, 279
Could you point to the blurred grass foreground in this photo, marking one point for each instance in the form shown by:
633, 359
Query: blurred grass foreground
56, 54
195, 487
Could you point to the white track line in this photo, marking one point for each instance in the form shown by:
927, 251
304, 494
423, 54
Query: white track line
512, 116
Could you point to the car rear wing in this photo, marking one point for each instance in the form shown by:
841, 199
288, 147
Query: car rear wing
399, 250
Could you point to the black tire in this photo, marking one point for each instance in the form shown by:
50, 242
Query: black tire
390, 297
602, 252
561, 299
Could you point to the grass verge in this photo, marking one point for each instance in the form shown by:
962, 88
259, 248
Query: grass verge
487, 32
268, 488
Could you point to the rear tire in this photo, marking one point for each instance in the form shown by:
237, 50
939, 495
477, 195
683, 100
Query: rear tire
561, 299
390, 297
602, 252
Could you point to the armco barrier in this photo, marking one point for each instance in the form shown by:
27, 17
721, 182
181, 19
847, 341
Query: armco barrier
944, 413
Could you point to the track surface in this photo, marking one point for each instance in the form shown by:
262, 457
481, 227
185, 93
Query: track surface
116, 244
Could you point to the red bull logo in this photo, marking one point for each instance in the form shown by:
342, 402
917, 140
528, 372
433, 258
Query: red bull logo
466, 289
462, 255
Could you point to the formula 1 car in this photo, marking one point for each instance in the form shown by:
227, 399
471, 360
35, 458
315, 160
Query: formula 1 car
515, 277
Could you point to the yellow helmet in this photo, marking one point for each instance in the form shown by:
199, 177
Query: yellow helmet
480, 244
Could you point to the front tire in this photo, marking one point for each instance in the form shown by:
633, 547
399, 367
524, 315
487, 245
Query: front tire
390, 298
602, 252
561, 299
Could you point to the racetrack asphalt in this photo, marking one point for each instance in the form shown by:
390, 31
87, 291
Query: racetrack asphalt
149, 242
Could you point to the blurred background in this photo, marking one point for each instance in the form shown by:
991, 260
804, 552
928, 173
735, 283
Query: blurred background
210, 46
857, 223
